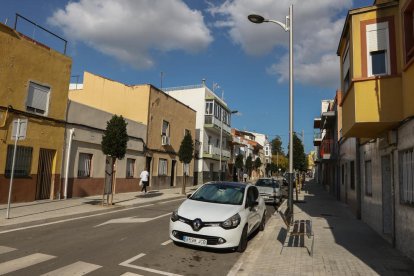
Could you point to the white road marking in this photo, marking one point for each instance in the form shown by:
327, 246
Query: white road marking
128, 262
78, 218
131, 220
167, 242
5, 249
130, 274
75, 269
235, 269
20, 263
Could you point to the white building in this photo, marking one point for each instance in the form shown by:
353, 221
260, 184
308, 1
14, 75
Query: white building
263, 140
212, 126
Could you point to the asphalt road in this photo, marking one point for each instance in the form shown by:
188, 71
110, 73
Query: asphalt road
133, 240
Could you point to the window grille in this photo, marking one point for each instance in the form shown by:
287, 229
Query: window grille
406, 176
162, 167
84, 165
130, 167
22, 163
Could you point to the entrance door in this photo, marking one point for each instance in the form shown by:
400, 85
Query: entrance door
173, 172
44, 174
149, 169
211, 171
387, 218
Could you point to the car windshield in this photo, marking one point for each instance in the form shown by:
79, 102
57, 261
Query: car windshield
267, 183
220, 193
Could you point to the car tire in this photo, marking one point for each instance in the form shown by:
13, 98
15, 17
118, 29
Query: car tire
243, 241
263, 222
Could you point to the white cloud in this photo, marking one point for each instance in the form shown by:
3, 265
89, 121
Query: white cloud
129, 30
316, 25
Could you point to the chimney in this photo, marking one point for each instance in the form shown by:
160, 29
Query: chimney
204, 82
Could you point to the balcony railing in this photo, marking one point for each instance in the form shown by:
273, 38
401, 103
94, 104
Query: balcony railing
215, 151
326, 149
211, 120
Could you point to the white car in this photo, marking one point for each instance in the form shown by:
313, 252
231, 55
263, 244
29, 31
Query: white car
219, 215
269, 189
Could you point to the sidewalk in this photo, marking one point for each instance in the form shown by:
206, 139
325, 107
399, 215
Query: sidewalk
46, 210
343, 244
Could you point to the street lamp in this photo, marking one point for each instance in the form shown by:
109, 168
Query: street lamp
288, 27
221, 137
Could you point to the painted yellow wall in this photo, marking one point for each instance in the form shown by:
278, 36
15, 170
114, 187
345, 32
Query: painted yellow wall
22, 61
111, 96
348, 112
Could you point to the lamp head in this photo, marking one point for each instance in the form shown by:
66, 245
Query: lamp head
255, 18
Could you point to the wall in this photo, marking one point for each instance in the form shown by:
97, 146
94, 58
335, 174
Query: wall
23, 61
347, 150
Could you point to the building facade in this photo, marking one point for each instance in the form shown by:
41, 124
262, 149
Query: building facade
377, 79
37, 95
166, 120
213, 131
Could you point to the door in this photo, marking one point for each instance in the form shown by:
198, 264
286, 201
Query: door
253, 218
211, 171
173, 173
44, 174
148, 166
387, 210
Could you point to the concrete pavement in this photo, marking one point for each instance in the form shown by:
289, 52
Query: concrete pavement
343, 244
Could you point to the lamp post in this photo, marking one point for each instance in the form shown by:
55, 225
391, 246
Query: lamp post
221, 137
288, 27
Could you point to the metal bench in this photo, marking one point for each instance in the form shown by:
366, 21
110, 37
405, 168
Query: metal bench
296, 229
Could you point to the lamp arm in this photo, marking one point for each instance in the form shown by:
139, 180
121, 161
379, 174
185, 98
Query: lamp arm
284, 26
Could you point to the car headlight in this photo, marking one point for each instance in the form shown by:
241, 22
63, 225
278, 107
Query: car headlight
232, 222
174, 216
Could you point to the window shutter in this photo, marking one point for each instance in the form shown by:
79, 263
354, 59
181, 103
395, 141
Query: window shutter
38, 96
377, 40
345, 65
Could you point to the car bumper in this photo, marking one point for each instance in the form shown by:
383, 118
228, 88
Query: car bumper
216, 236
270, 198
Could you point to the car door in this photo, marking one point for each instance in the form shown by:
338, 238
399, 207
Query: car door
253, 217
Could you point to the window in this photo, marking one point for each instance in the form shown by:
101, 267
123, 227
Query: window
37, 98
345, 68
352, 175
165, 128
130, 167
84, 165
408, 30
368, 178
343, 174
209, 108
162, 167
378, 49
22, 163
406, 175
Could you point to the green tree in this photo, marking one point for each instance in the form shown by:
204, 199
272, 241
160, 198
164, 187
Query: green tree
299, 157
114, 143
276, 144
249, 164
257, 163
185, 154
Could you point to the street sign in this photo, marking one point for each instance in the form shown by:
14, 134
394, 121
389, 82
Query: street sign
20, 124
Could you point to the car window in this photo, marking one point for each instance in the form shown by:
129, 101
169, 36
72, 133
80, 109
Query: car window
252, 195
267, 183
220, 193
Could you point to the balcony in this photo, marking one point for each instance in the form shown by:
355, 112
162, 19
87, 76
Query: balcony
317, 138
326, 150
213, 152
317, 123
215, 124
371, 107
328, 119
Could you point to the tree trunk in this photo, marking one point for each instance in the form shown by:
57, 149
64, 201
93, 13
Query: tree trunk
184, 183
113, 179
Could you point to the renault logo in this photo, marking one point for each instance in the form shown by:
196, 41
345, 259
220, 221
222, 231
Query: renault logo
197, 223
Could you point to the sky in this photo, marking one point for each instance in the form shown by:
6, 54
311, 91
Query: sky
169, 43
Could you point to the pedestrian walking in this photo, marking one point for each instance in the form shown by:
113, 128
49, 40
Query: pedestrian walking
245, 177
144, 179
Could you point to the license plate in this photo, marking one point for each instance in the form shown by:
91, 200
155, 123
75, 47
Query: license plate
194, 241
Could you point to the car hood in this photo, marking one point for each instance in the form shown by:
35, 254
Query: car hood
206, 211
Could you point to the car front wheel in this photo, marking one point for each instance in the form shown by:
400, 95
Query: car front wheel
243, 241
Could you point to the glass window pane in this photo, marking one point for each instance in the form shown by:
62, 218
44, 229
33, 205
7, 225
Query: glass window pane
379, 66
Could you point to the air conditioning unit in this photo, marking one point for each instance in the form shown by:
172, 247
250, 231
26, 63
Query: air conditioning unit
165, 140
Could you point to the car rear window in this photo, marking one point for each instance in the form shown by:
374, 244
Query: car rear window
267, 183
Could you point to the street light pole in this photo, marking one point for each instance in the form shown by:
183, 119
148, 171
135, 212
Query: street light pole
287, 26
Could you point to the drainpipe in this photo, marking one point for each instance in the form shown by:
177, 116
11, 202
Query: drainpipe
358, 179
65, 192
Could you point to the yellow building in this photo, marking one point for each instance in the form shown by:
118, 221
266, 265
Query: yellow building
34, 81
166, 118
377, 80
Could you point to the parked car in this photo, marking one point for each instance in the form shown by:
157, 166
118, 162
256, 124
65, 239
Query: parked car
286, 180
269, 190
219, 215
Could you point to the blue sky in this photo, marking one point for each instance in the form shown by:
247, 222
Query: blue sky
133, 41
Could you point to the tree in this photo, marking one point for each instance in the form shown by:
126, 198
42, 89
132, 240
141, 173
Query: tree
185, 154
114, 144
281, 162
238, 163
249, 164
299, 157
257, 163
277, 146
